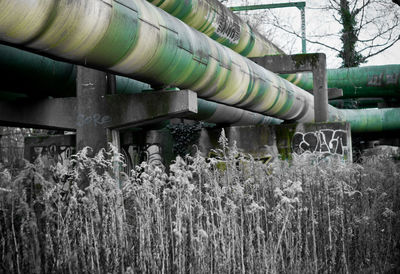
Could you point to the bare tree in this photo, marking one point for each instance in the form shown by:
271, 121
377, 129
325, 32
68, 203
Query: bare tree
364, 28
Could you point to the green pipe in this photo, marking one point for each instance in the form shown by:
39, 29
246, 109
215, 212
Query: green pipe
372, 120
19, 73
363, 102
215, 113
208, 111
38, 76
356, 103
135, 39
361, 82
221, 24
19, 64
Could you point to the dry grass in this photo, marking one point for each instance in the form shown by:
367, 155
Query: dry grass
226, 215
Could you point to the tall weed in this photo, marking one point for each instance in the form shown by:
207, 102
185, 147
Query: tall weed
228, 214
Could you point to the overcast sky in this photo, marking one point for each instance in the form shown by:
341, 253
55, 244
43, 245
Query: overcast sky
317, 21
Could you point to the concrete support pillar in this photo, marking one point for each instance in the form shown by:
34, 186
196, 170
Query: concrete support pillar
320, 90
92, 122
314, 62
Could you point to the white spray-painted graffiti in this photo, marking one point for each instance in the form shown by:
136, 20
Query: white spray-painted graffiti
228, 28
153, 153
95, 119
325, 142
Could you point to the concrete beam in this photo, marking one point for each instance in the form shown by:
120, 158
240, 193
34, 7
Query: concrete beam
46, 141
288, 63
334, 93
95, 114
316, 63
390, 142
45, 113
114, 111
138, 109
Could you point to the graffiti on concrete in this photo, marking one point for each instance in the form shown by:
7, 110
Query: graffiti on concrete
326, 142
153, 153
135, 154
95, 120
52, 154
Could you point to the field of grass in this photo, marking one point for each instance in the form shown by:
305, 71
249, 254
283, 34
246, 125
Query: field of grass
221, 215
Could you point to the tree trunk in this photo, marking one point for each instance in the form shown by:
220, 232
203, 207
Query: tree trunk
349, 55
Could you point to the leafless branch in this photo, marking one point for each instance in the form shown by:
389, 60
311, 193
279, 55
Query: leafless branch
307, 39
382, 50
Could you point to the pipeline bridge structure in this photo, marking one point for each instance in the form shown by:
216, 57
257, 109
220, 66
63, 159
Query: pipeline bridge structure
99, 67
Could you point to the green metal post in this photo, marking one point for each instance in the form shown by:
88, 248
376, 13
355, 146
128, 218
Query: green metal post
303, 30
300, 5
269, 6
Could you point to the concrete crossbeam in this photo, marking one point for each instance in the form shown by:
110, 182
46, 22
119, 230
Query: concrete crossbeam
95, 114
46, 141
334, 93
316, 63
134, 110
45, 113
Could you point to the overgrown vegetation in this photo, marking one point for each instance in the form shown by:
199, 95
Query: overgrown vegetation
185, 135
246, 217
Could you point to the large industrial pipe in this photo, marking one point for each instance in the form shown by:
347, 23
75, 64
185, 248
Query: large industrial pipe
136, 39
221, 24
364, 102
370, 120
362, 82
26, 74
